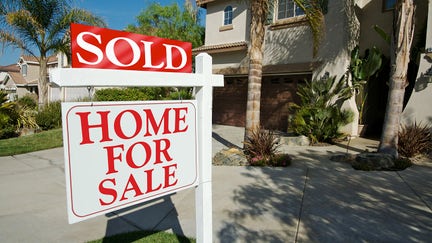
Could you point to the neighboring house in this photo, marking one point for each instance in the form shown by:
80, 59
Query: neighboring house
21, 79
288, 54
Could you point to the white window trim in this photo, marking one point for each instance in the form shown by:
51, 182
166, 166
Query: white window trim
276, 13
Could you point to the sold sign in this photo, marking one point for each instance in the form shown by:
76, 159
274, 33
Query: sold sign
94, 47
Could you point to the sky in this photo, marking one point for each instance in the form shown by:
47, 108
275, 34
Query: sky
116, 13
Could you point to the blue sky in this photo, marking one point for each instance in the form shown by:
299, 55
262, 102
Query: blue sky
117, 13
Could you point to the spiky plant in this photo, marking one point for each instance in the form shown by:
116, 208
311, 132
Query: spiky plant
414, 139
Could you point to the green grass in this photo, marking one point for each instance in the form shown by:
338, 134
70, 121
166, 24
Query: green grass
144, 237
30, 143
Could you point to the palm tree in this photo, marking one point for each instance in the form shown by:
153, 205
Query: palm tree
40, 28
260, 10
402, 36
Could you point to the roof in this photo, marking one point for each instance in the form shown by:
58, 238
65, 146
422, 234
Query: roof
234, 46
10, 68
17, 78
203, 3
32, 59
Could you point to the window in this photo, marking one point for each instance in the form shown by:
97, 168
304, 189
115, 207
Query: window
288, 9
388, 5
24, 70
228, 15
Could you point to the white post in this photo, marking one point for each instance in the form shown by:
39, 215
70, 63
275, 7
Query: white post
203, 192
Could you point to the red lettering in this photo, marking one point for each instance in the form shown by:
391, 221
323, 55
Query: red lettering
118, 125
131, 181
151, 122
111, 157
170, 174
179, 118
129, 155
160, 150
150, 188
85, 126
107, 191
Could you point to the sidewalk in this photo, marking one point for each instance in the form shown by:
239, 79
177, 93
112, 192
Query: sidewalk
313, 200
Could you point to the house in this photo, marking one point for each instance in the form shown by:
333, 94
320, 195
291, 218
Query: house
288, 53
21, 79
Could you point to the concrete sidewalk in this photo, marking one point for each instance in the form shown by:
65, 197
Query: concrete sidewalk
313, 200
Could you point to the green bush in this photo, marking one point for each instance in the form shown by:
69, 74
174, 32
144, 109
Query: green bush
141, 93
414, 139
27, 101
8, 117
49, 117
319, 116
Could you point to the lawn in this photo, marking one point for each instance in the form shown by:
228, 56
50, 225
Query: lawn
25, 144
144, 237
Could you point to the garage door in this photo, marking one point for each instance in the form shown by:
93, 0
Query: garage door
277, 92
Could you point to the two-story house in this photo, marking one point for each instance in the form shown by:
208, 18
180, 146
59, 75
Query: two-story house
288, 52
21, 79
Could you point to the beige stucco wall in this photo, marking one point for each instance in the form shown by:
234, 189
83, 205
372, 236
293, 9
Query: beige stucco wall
214, 21
419, 108
32, 72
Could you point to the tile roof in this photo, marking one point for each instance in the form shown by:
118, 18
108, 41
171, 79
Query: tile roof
10, 68
234, 46
35, 60
17, 78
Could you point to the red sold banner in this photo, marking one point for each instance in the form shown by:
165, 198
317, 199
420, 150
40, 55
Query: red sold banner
94, 47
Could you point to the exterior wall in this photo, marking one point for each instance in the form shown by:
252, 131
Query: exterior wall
370, 15
288, 45
32, 72
214, 21
418, 108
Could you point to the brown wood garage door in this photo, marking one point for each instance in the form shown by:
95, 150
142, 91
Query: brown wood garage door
277, 92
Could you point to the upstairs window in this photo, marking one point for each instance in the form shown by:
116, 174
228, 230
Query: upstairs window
288, 9
24, 70
388, 5
228, 15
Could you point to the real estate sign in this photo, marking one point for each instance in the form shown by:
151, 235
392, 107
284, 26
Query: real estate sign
94, 47
120, 154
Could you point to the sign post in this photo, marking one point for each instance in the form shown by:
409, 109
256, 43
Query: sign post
136, 144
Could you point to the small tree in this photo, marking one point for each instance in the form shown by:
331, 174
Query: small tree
170, 22
401, 40
259, 13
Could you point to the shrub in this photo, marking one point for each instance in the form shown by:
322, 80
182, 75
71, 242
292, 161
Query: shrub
142, 93
414, 139
319, 116
261, 149
8, 117
50, 116
27, 101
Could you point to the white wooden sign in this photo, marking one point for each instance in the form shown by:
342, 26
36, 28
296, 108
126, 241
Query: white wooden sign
119, 154
148, 149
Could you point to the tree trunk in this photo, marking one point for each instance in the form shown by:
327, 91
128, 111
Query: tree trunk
259, 11
403, 29
43, 82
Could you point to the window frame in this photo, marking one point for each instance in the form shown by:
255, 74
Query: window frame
228, 15
295, 9
24, 70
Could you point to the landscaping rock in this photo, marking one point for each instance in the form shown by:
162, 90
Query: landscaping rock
373, 161
295, 141
232, 156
